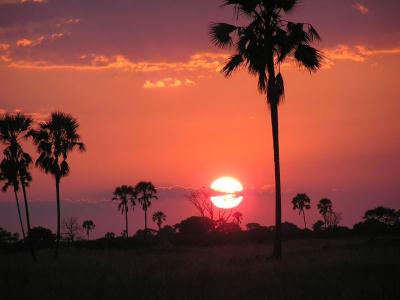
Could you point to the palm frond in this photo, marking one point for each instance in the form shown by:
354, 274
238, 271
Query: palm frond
220, 34
233, 63
308, 57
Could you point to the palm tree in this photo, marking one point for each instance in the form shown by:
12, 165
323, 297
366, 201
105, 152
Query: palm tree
55, 139
14, 127
237, 217
10, 176
261, 47
158, 218
125, 194
325, 207
145, 192
302, 202
88, 226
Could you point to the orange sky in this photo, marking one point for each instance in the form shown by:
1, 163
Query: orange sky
175, 120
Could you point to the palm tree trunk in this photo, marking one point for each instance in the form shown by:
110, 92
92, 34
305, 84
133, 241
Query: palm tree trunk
19, 214
28, 222
145, 222
277, 252
58, 216
126, 222
304, 217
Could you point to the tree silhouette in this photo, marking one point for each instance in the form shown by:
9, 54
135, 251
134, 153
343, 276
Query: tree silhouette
55, 138
71, 228
261, 47
145, 192
14, 127
9, 174
325, 207
385, 215
158, 218
301, 202
237, 218
125, 194
201, 200
88, 226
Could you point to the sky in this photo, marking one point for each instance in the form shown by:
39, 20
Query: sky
142, 78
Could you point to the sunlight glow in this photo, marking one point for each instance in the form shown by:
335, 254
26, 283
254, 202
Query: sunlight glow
227, 192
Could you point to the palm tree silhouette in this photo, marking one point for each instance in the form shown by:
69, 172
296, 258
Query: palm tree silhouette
9, 174
55, 138
159, 217
145, 192
324, 207
125, 194
301, 202
88, 226
237, 217
16, 162
261, 47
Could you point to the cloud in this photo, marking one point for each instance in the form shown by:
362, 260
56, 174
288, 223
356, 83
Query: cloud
29, 42
21, 1
362, 9
358, 53
167, 83
36, 116
93, 62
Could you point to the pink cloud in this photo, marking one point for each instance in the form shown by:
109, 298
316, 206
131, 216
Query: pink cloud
362, 9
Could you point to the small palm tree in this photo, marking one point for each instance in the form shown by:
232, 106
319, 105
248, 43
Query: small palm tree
158, 218
13, 128
9, 174
145, 192
261, 47
237, 218
325, 207
55, 139
302, 202
125, 194
88, 226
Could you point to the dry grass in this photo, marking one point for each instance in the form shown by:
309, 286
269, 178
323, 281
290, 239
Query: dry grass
311, 269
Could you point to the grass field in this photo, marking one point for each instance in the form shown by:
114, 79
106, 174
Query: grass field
310, 269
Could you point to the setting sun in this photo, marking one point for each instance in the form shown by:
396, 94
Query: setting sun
226, 192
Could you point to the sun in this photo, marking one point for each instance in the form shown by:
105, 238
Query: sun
226, 192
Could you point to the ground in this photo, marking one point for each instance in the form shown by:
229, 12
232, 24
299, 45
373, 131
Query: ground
361, 268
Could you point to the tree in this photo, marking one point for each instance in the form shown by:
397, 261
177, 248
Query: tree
158, 218
385, 215
109, 235
71, 228
125, 194
301, 202
237, 218
196, 226
14, 127
325, 207
55, 139
318, 226
201, 200
10, 176
145, 193
88, 226
261, 47
8, 237
42, 237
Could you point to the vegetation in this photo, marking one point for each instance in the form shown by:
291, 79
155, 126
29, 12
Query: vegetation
145, 192
125, 195
159, 217
88, 226
267, 41
54, 139
301, 202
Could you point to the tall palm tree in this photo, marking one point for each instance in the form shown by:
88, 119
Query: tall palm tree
301, 202
55, 139
145, 192
261, 47
88, 226
125, 194
159, 217
9, 174
325, 207
13, 128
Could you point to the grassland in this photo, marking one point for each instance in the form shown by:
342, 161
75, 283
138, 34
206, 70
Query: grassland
311, 269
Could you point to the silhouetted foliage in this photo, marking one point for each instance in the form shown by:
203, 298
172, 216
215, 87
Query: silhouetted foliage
42, 237
196, 226
71, 228
237, 218
159, 217
88, 226
145, 192
201, 201
318, 226
385, 215
301, 202
261, 47
125, 195
16, 162
8, 237
55, 139
229, 228
109, 235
